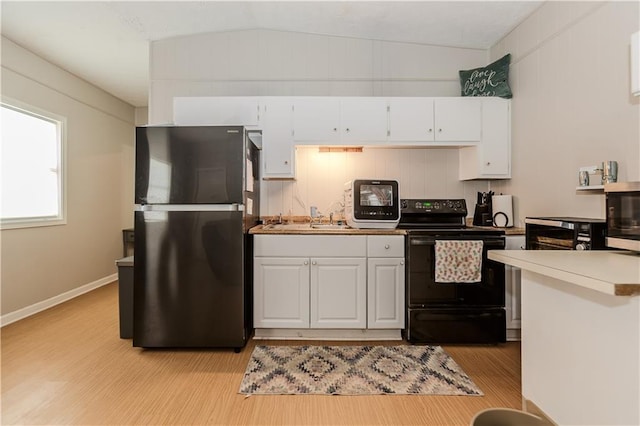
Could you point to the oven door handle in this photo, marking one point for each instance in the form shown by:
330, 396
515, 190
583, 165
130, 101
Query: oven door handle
547, 222
431, 241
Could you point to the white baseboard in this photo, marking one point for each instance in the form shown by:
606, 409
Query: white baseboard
513, 334
325, 334
25, 312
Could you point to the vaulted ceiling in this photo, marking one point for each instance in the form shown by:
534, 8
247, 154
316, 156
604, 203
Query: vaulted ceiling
107, 43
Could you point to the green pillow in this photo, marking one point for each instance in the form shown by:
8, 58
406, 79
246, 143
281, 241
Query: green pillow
492, 80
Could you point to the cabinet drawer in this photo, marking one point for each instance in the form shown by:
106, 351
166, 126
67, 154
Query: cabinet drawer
385, 246
310, 245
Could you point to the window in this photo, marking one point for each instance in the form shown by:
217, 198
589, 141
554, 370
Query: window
32, 171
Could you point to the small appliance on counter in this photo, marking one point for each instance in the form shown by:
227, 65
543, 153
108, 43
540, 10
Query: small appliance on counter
483, 214
565, 233
371, 203
623, 215
502, 209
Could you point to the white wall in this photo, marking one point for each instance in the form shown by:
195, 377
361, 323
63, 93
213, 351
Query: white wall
46, 262
274, 63
321, 176
571, 105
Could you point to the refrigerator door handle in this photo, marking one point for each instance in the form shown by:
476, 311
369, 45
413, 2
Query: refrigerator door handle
189, 207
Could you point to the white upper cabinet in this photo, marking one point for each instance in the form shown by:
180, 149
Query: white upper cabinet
479, 126
457, 119
278, 151
363, 120
411, 119
441, 120
218, 110
491, 158
316, 121
335, 120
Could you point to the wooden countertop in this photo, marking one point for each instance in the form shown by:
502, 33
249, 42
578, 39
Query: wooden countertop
611, 272
507, 231
306, 229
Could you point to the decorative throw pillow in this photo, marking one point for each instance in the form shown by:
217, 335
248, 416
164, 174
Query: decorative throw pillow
492, 80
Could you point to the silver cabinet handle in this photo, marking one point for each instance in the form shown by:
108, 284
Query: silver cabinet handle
439, 130
386, 246
347, 130
286, 162
314, 263
335, 129
430, 130
402, 262
306, 262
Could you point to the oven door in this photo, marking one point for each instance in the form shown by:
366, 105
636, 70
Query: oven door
424, 291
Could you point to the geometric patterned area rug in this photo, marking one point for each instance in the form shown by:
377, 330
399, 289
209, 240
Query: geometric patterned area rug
354, 370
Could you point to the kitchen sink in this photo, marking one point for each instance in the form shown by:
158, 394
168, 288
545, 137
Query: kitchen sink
328, 226
301, 226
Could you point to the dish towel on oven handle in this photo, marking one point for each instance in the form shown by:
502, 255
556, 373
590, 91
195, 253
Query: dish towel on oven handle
458, 261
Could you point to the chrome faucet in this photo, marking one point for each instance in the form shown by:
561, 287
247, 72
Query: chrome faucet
331, 218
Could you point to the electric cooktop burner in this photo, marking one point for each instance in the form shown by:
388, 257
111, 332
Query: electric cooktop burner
442, 214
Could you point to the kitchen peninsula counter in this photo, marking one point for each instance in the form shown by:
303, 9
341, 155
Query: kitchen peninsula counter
580, 334
610, 272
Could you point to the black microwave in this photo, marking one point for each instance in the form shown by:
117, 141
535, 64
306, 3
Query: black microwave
565, 233
623, 215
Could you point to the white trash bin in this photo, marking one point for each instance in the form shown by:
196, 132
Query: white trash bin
506, 417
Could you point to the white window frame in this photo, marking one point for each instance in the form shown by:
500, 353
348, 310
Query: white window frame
61, 218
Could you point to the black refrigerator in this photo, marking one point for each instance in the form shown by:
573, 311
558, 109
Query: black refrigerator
197, 195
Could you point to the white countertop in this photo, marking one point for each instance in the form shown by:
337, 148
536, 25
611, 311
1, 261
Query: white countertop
610, 272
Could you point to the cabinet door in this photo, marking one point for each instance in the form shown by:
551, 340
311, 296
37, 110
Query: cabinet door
281, 292
512, 283
219, 110
457, 119
338, 293
363, 120
385, 293
495, 152
278, 152
411, 120
316, 121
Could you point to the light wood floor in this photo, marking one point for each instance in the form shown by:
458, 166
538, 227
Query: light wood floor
67, 365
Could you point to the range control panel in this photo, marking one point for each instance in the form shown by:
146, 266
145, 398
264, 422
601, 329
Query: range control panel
439, 206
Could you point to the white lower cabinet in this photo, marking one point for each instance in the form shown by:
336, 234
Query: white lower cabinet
385, 293
328, 282
281, 292
385, 281
338, 293
512, 289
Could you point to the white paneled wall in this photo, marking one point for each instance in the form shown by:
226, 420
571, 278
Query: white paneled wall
421, 173
571, 105
275, 63
264, 62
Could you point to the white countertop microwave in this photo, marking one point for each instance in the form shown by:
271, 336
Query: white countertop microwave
372, 203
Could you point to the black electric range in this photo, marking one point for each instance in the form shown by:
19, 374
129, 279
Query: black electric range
450, 312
